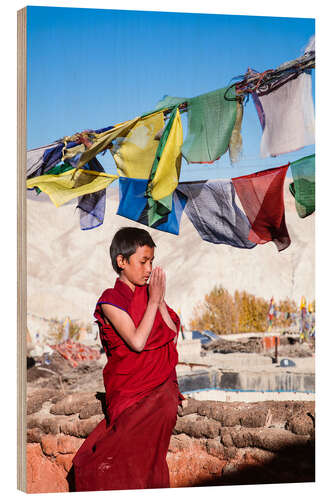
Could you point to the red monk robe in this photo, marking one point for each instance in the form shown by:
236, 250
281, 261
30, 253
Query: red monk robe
127, 450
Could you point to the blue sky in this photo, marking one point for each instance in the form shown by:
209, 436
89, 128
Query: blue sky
91, 68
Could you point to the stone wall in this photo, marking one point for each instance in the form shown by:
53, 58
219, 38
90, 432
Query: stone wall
213, 443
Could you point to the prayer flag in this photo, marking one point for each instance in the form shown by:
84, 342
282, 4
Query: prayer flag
101, 141
212, 210
169, 102
71, 184
134, 153
58, 169
211, 120
35, 157
236, 142
92, 209
261, 195
92, 205
166, 174
165, 170
287, 116
303, 188
133, 205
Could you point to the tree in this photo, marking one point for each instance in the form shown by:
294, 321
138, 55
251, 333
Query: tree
223, 313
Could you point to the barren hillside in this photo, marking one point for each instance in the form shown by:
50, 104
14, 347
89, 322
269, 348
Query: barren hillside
69, 268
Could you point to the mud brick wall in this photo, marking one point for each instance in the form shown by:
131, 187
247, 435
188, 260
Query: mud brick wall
213, 443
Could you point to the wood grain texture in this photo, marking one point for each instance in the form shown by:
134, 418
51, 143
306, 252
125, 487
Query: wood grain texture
21, 245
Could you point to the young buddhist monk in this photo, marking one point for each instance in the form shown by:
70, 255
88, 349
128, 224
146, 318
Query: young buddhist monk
127, 450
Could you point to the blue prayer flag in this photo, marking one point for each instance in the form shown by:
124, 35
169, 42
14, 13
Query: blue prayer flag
133, 205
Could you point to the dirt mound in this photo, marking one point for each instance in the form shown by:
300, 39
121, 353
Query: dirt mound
222, 346
56, 372
255, 345
296, 350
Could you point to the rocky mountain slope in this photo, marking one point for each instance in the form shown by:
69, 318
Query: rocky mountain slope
68, 268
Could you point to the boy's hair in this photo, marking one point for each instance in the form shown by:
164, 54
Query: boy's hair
126, 241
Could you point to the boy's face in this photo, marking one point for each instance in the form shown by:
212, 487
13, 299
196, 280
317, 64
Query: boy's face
138, 268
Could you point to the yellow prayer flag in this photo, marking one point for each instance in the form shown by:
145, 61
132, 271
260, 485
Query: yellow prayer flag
101, 142
135, 153
236, 142
303, 302
167, 174
71, 184
71, 152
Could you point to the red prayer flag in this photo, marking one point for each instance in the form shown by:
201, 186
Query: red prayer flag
261, 195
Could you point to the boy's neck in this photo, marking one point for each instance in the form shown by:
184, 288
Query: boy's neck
127, 282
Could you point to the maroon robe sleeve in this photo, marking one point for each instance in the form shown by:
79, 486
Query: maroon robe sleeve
109, 336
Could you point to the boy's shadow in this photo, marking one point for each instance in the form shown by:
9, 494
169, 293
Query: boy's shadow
71, 475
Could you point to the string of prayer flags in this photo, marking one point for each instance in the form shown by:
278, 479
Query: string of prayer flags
303, 188
148, 157
261, 195
286, 116
165, 170
134, 153
212, 209
64, 187
133, 205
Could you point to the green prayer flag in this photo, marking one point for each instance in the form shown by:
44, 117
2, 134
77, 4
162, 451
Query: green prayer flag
211, 119
158, 209
168, 102
303, 188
